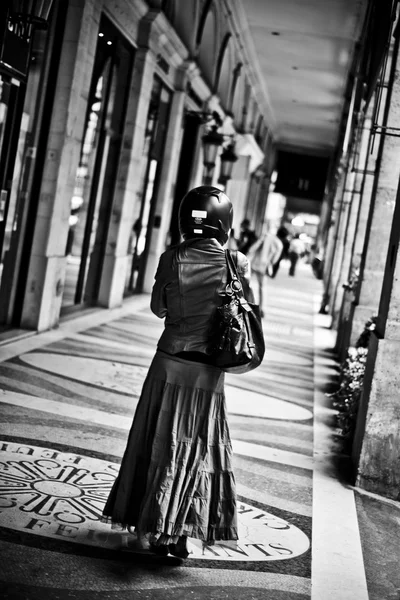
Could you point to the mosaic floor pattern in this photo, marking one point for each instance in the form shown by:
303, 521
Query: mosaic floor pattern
61, 495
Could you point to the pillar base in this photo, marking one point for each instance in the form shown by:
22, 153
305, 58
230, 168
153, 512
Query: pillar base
43, 298
377, 440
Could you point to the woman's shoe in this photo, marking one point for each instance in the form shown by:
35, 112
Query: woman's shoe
160, 550
180, 549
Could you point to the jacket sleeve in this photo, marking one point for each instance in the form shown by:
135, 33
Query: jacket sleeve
158, 303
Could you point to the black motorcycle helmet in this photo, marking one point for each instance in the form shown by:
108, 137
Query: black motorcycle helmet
205, 212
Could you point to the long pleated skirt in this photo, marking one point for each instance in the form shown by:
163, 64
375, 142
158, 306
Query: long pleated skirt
176, 474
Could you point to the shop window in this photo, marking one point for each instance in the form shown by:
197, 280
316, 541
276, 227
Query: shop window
91, 202
25, 108
154, 143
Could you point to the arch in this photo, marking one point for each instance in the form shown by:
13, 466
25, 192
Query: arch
225, 75
252, 115
185, 20
236, 95
220, 59
259, 127
169, 9
202, 22
208, 45
246, 107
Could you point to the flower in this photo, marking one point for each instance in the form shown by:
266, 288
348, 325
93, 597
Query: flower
347, 396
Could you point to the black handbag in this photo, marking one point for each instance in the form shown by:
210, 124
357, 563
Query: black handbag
239, 346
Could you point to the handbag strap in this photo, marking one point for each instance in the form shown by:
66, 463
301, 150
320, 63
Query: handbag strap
232, 264
234, 277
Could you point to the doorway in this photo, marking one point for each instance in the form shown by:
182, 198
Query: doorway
91, 203
13, 131
26, 102
184, 177
144, 220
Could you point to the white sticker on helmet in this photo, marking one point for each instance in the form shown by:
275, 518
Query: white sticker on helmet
201, 214
197, 231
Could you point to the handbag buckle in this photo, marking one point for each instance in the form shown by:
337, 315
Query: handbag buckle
236, 285
233, 287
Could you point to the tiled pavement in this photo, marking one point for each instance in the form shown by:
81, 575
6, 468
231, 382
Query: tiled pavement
66, 403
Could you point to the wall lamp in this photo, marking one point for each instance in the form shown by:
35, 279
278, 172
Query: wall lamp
228, 158
212, 140
30, 12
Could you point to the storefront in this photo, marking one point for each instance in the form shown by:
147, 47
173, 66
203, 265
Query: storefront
30, 51
153, 150
96, 174
101, 122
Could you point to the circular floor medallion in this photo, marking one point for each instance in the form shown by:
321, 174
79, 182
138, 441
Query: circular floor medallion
61, 495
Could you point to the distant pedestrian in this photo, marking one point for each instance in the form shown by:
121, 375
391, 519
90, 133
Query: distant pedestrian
296, 251
283, 235
247, 236
263, 254
232, 243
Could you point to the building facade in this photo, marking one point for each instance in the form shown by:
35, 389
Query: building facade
361, 272
106, 140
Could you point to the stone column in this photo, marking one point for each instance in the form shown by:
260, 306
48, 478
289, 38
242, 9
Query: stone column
386, 164
358, 318
127, 193
42, 302
377, 436
355, 233
246, 173
237, 186
262, 200
377, 441
332, 237
165, 197
338, 251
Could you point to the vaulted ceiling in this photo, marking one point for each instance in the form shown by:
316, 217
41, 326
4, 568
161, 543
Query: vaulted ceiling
302, 53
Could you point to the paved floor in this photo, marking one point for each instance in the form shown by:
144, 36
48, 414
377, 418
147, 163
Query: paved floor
67, 399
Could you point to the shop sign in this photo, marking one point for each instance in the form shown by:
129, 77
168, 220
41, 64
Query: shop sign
15, 45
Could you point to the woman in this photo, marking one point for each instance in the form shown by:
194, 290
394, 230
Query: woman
176, 478
262, 256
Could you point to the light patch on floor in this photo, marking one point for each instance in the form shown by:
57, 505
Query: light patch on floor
61, 495
113, 375
253, 404
102, 418
128, 379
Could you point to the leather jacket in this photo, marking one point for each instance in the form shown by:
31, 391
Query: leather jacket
189, 284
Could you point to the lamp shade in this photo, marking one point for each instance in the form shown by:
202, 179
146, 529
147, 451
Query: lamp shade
211, 142
228, 158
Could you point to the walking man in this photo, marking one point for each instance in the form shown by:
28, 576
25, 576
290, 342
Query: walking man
296, 250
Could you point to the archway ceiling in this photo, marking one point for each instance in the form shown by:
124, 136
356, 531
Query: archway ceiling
301, 53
